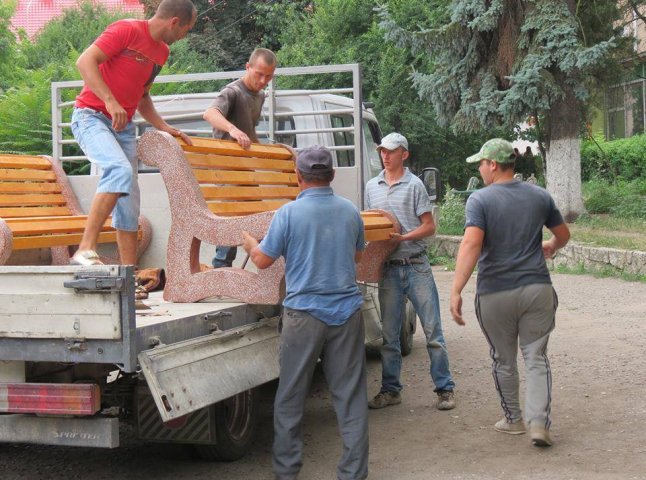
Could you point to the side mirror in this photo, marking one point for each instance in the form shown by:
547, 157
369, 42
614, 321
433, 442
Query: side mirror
431, 178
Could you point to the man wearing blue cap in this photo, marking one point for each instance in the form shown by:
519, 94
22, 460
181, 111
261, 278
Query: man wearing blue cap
515, 302
407, 273
321, 237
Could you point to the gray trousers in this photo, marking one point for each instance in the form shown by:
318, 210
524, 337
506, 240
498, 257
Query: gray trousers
523, 316
303, 340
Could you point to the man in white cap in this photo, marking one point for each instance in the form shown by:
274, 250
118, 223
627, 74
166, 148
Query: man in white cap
321, 236
407, 273
515, 302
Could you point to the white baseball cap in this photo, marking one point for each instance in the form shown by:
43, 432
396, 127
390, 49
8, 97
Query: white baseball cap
393, 141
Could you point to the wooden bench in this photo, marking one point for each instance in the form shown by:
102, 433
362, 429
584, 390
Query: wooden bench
38, 209
216, 190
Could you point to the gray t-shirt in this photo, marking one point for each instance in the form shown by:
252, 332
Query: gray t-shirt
240, 106
512, 216
407, 200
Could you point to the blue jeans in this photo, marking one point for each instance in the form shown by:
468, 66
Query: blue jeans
116, 154
417, 283
224, 256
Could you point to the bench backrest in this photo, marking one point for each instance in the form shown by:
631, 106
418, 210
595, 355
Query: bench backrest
234, 181
29, 188
38, 205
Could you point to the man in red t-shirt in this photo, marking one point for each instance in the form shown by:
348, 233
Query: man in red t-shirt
119, 69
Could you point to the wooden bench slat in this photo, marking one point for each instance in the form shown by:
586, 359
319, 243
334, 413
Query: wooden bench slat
44, 241
45, 225
19, 212
229, 147
370, 213
34, 208
248, 193
31, 200
244, 178
24, 161
20, 174
376, 222
29, 187
228, 209
376, 235
223, 162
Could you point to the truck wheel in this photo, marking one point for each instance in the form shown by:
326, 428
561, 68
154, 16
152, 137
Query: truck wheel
409, 323
235, 428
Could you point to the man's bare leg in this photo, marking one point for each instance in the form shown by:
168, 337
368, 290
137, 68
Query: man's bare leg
102, 206
127, 242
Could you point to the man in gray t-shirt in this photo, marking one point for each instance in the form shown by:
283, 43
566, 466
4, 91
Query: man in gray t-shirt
515, 301
234, 115
239, 106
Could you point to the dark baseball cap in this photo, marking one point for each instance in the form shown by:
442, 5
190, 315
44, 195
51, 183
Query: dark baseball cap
314, 159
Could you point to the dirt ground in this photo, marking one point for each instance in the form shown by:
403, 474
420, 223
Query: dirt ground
598, 357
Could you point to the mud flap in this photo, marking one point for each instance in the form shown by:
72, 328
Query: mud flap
189, 375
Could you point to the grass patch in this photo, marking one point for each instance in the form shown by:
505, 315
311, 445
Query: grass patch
609, 231
606, 272
447, 262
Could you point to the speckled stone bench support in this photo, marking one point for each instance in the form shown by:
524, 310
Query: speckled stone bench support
216, 190
193, 222
38, 209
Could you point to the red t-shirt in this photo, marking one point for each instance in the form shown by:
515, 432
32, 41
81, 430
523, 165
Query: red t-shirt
134, 60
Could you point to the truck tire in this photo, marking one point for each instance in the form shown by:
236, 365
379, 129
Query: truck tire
409, 324
235, 428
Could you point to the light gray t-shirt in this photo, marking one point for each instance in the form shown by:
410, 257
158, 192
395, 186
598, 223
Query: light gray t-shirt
407, 200
512, 216
240, 106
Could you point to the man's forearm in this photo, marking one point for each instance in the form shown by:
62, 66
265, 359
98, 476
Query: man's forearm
147, 110
88, 66
467, 258
217, 120
464, 266
425, 230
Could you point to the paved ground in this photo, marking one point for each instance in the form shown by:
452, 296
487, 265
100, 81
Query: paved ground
598, 356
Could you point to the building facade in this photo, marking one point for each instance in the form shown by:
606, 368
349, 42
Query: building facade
33, 15
625, 112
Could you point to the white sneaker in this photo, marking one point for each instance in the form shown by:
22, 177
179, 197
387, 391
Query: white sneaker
515, 428
86, 257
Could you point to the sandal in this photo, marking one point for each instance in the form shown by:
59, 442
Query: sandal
140, 293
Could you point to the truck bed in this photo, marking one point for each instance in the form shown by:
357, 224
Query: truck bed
88, 315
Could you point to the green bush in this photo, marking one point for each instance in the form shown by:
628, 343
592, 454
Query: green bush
451, 214
624, 158
625, 199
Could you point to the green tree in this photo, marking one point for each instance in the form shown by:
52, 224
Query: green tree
25, 112
334, 31
11, 60
497, 62
226, 31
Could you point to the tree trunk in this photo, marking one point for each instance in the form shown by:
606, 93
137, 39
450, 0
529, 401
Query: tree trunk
563, 156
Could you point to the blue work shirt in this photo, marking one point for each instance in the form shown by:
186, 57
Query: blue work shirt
318, 234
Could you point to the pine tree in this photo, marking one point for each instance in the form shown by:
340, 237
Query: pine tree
500, 62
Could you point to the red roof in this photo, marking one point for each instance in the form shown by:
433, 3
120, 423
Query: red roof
32, 15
